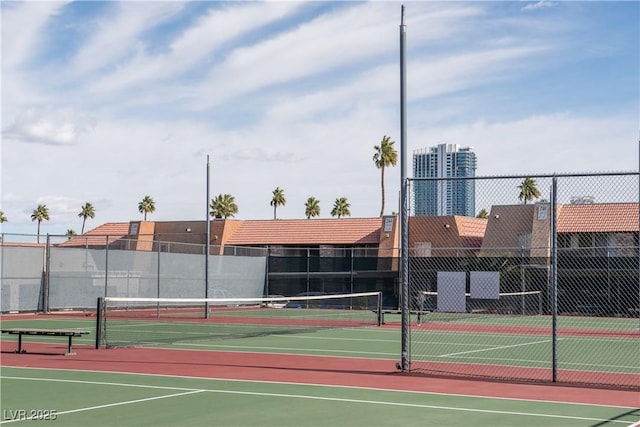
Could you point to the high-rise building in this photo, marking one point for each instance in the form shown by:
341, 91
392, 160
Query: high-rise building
434, 197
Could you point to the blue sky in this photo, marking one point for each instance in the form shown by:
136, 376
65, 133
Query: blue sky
107, 102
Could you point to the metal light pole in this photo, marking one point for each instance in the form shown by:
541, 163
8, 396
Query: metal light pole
404, 229
206, 248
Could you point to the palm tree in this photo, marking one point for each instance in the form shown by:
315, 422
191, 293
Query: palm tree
71, 233
483, 214
223, 206
341, 207
384, 156
528, 190
87, 212
147, 205
3, 218
39, 214
312, 207
277, 200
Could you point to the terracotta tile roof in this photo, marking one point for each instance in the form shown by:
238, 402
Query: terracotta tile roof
96, 237
471, 230
333, 231
23, 244
471, 227
598, 217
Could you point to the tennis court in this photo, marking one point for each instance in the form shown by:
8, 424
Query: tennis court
344, 376
591, 350
76, 398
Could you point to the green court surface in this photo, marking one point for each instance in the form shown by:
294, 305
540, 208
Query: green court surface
92, 398
109, 399
506, 349
512, 349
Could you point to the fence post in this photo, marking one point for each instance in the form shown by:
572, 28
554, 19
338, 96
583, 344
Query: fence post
158, 274
554, 279
267, 254
207, 244
2, 263
308, 267
351, 270
106, 265
99, 319
46, 276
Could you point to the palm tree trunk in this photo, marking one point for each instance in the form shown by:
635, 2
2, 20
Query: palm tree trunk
382, 185
39, 231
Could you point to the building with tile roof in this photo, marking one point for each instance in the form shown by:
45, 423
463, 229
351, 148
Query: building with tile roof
104, 235
342, 255
585, 229
599, 229
509, 230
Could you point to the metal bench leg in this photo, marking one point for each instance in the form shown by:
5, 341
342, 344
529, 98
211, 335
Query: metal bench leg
19, 344
69, 351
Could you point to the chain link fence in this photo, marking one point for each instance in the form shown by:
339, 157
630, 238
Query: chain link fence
56, 275
543, 285
332, 270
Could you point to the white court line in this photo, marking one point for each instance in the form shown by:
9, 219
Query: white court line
564, 364
307, 350
243, 381
495, 348
298, 396
528, 362
309, 337
393, 341
109, 405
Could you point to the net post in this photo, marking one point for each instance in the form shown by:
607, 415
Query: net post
380, 315
99, 308
540, 303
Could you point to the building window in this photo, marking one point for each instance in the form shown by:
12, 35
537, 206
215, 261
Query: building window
603, 245
524, 240
564, 241
585, 240
422, 249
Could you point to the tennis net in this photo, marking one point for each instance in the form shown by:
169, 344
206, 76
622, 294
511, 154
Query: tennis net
123, 322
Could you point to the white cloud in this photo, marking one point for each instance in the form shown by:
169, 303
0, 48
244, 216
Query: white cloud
50, 126
542, 4
195, 47
464, 70
59, 205
23, 35
295, 95
117, 35
551, 143
287, 57
24, 22
262, 156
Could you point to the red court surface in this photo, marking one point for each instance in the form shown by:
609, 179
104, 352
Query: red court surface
336, 371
